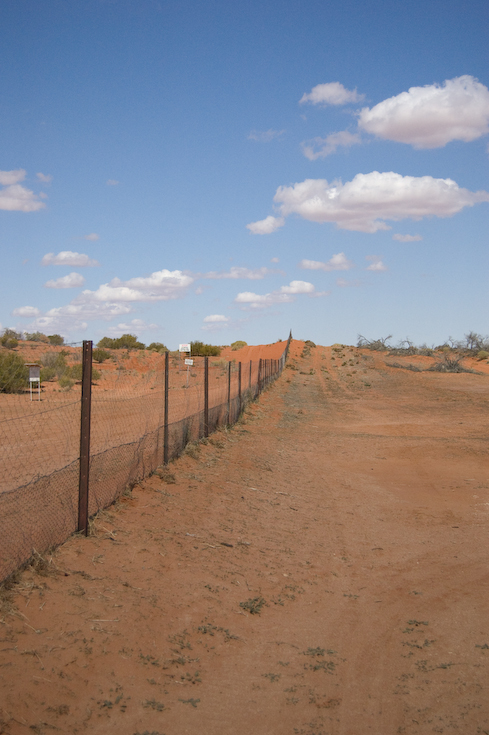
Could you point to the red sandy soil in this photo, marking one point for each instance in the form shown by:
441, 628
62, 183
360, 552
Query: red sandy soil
320, 569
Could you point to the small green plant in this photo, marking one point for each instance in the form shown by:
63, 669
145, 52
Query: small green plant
10, 339
55, 362
157, 347
204, 350
100, 355
75, 372
125, 342
253, 605
56, 339
238, 344
36, 337
13, 373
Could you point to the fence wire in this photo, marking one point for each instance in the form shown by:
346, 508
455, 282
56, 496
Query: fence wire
40, 439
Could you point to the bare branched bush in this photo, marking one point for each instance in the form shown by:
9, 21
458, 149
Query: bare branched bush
374, 344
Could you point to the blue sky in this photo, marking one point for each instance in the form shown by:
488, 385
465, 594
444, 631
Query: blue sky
223, 171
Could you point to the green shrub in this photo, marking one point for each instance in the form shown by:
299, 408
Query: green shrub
238, 344
100, 355
204, 350
482, 355
14, 374
157, 347
126, 342
36, 337
47, 374
10, 339
75, 372
65, 382
56, 361
56, 340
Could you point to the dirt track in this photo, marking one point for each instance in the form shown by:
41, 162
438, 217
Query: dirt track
321, 569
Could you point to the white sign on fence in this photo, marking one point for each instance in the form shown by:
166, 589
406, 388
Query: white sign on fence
184, 348
189, 362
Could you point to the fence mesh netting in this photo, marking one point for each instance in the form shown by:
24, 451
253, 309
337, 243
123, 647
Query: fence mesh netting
40, 439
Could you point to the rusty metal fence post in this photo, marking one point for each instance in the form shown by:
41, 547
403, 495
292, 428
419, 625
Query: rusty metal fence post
165, 420
229, 393
86, 405
206, 396
239, 389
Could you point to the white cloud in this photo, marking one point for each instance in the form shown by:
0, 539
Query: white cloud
159, 286
8, 178
72, 280
14, 197
265, 136
365, 202
284, 295
297, 287
274, 260
45, 178
26, 311
322, 147
407, 238
216, 319
112, 182
92, 237
376, 263
431, 116
338, 262
234, 272
265, 226
74, 317
332, 93
67, 257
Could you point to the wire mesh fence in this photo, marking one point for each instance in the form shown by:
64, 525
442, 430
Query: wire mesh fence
143, 409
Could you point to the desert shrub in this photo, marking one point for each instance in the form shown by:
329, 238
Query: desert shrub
13, 373
36, 337
56, 361
47, 374
10, 339
476, 342
56, 340
125, 342
157, 347
100, 355
450, 364
238, 344
374, 344
309, 343
482, 355
65, 382
75, 372
204, 350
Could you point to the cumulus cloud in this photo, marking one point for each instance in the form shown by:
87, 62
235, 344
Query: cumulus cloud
75, 317
284, 295
266, 136
45, 178
376, 263
216, 319
331, 93
67, 257
14, 197
364, 203
431, 116
26, 311
322, 147
159, 286
265, 226
274, 260
92, 237
407, 238
72, 280
138, 325
338, 262
253, 274
112, 182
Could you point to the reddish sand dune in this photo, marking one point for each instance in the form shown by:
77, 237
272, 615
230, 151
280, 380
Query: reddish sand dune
321, 569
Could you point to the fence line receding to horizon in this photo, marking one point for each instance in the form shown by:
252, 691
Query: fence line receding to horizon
64, 458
